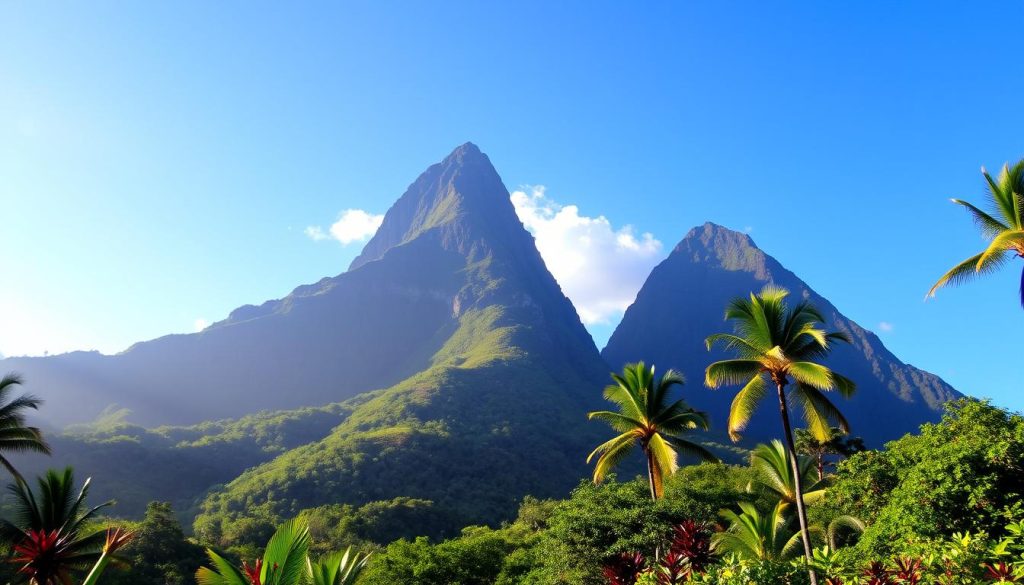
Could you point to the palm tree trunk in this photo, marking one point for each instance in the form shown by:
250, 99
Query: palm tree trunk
654, 491
821, 466
798, 487
650, 473
1022, 285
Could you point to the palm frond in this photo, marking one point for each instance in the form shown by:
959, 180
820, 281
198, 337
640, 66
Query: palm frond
744, 404
812, 374
819, 412
619, 422
691, 449
968, 270
285, 557
680, 417
729, 372
1004, 242
610, 453
665, 461
998, 196
989, 225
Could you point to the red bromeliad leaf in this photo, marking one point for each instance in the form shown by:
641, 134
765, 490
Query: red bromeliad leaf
625, 569
253, 572
692, 541
41, 555
1001, 572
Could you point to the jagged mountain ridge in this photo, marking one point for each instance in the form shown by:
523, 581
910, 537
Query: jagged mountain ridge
683, 301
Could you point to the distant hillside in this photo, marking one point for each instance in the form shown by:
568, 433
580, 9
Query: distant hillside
683, 301
134, 465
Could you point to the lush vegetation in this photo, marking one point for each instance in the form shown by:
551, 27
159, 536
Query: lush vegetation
947, 501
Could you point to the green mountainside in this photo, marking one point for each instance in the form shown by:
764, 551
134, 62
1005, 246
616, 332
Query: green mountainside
134, 465
498, 414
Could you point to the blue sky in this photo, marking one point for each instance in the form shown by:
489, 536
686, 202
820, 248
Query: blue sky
160, 163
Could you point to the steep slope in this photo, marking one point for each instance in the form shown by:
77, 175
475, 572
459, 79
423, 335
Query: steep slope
683, 300
371, 327
497, 413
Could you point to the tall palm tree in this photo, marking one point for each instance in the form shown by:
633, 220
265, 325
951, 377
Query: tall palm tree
779, 345
1003, 224
774, 471
15, 437
48, 532
649, 418
753, 535
284, 562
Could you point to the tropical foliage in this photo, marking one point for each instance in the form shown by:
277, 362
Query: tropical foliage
648, 417
1002, 225
754, 535
286, 561
774, 472
825, 451
50, 531
159, 553
15, 435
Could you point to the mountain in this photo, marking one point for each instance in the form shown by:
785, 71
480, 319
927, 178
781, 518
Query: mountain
683, 301
449, 249
498, 410
472, 369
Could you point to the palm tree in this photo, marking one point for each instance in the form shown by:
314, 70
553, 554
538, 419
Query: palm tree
780, 345
774, 471
808, 444
753, 535
15, 437
1003, 224
49, 535
337, 569
647, 417
284, 562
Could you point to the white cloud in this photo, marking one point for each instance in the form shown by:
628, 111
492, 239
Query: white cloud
200, 324
353, 225
600, 268
885, 326
316, 233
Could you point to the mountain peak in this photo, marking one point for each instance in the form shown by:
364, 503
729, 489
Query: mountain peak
452, 196
681, 303
464, 151
731, 249
711, 233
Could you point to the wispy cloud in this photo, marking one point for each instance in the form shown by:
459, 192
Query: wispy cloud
885, 326
600, 268
353, 225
